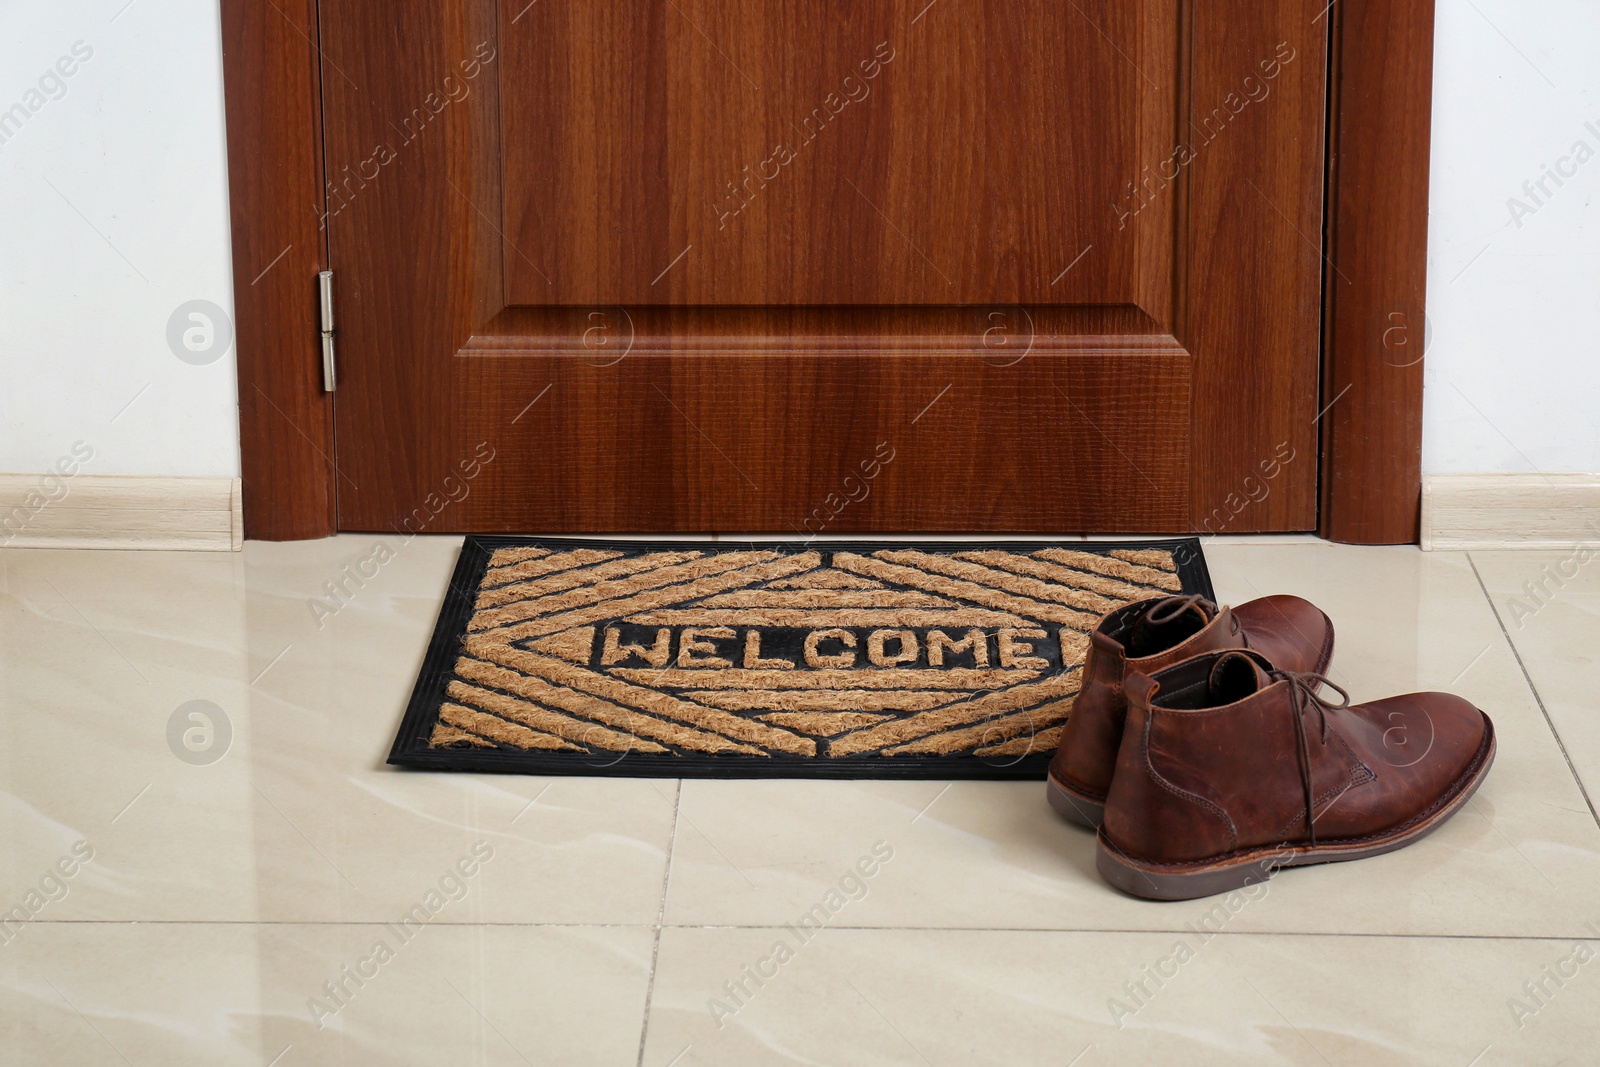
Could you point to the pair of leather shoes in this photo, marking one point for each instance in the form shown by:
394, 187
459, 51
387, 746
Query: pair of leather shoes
1202, 751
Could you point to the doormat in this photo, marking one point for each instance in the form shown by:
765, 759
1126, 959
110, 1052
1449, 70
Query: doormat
758, 659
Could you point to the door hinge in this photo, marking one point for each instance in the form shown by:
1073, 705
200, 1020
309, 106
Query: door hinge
330, 375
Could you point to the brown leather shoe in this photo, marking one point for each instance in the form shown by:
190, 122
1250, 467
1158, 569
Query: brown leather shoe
1146, 637
1230, 769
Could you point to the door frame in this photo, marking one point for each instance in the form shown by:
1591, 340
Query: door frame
1380, 92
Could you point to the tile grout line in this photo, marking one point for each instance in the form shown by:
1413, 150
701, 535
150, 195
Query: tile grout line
1118, 931
1534, 689
661, 915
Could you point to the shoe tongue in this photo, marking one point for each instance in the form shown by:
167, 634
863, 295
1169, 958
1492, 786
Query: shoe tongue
1158, 629
1234, 676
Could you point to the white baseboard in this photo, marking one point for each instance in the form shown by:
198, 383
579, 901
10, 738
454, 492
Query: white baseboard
114, 511
1464, 511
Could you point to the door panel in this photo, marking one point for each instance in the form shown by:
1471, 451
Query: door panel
804, 421
703, 264
814, 155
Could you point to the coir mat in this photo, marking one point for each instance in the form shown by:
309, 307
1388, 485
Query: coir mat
878, 659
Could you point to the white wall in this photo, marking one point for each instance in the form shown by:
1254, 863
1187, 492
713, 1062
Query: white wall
1513, 378
113, 213
134, 150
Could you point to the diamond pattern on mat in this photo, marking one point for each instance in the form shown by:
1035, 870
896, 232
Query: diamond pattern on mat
758, 653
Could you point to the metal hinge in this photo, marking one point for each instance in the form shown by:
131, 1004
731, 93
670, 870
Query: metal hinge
330, 376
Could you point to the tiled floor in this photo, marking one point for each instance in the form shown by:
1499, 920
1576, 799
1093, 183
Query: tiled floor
245, 908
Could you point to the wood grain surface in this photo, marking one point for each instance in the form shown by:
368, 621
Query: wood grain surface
503, 178
273, 95
1377, 277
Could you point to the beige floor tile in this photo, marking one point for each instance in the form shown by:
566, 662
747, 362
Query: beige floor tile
217, 897
1549, 603
870, 997
246, 994
299, 819
1522, 859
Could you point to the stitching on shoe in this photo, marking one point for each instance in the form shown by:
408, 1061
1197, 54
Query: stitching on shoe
1067, 782
1225, 709
1473, 769
1065, 777
1326, 655
1360, 774
1179, 791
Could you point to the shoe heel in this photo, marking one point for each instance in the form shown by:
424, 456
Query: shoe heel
1075, 808
1123, 872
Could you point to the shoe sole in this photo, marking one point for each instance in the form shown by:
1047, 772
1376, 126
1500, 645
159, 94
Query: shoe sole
1188, 881
1089, 813
1075, 807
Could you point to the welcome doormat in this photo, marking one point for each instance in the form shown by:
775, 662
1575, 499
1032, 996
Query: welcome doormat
759, 659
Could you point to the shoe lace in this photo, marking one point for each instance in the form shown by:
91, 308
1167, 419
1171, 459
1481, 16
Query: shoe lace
1173, 607
1304, 695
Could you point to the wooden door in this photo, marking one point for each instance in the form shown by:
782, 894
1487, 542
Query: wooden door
824, 266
